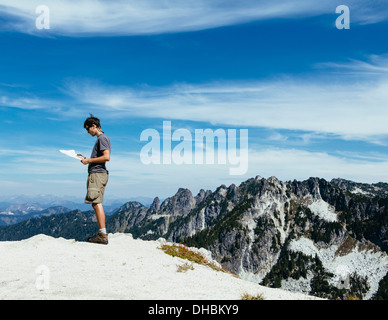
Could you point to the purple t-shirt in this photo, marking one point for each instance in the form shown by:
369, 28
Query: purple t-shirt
101, 144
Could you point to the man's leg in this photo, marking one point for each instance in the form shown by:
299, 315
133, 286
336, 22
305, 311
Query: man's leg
101, 236
98, 181
100, 214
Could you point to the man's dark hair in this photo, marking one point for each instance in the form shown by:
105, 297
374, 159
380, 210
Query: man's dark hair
91, 121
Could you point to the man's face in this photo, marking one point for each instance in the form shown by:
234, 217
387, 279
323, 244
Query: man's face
92, 130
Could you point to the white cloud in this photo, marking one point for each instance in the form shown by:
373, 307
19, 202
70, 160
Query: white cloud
21, 97
40, 161
47, 171
128, 176
289, 164
375, 65
130, 17
348, 107
21, 102
353, 110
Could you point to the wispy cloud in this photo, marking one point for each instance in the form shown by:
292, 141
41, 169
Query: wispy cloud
348, 109
289, 164
131, 17
131, 176
21, 102
376, 65
38, 164
19, 96
352, 109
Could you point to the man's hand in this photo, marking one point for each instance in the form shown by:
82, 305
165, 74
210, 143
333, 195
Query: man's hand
104, 158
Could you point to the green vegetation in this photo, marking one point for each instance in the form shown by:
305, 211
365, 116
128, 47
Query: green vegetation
225, 225
297, 265
368, 220
148, 230
71, 225
289, 265
382, 292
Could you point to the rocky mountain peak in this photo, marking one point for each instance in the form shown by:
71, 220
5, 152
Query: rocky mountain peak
155, 206
279, 233
180, 204
202, 194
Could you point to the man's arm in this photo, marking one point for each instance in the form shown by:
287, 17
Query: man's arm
104, 158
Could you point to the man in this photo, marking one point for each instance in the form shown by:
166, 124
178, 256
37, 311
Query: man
98, 175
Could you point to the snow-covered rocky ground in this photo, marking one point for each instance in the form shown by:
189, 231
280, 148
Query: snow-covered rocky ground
365, 262
43, 267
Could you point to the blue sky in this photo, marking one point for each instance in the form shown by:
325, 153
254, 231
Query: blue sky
313, 97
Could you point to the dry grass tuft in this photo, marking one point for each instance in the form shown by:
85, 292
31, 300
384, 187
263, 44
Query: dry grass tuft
184, 267
182, 251
247, 296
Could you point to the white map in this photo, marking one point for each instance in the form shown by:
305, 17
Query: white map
71, 153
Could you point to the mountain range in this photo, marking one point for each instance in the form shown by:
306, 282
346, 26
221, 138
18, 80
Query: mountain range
17, 208
323, 238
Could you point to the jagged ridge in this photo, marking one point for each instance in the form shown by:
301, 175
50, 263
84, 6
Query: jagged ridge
250, 229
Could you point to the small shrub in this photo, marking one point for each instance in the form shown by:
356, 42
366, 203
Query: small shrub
182, 251
184, 267
247, 296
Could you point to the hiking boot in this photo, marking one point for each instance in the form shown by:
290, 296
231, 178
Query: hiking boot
99, 238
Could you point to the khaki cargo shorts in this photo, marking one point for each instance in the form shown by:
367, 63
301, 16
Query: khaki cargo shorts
96, 184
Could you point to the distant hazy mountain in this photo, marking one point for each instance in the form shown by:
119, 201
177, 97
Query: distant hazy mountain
14, 209
72, 225
11, 217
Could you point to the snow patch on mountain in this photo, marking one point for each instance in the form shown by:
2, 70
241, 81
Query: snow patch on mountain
366, 262
358, 190
323, 210
298, 285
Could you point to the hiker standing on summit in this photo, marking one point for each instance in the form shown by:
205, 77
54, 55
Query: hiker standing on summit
98, 175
